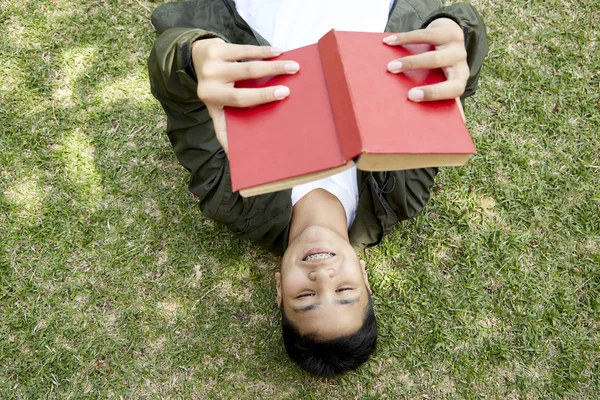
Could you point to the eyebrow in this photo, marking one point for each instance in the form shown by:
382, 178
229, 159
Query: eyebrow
315, 305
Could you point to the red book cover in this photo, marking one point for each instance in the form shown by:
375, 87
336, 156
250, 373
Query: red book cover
343, 103
288, 138
388, 122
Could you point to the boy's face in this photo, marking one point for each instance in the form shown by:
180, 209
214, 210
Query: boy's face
322, 284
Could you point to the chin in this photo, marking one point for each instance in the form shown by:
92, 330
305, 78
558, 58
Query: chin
317, 233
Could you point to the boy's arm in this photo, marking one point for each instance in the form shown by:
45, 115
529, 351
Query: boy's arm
189, 126
476, 42
192, 134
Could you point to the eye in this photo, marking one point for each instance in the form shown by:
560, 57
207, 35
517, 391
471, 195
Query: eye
343, 289
305, 295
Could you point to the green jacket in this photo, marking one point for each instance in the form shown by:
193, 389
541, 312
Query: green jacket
385, 198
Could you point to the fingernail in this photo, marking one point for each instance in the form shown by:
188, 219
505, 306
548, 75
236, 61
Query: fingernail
416, 95
390, 39
275, 51
282, 92
395, 66
291, 67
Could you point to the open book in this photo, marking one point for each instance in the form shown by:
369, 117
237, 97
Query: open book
344, 108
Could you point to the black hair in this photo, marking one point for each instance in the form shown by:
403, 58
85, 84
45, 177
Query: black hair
328, 358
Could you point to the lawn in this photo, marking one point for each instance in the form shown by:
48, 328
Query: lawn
113, 285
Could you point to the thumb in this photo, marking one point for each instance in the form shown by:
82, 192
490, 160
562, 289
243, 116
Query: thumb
218, 117
462, 111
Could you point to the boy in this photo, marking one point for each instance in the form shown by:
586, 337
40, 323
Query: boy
328, 321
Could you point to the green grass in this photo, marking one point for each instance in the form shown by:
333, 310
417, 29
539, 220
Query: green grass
112, 284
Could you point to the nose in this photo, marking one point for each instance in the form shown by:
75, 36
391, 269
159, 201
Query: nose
321, 273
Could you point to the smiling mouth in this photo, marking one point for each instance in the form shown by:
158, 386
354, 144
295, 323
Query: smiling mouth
318, 256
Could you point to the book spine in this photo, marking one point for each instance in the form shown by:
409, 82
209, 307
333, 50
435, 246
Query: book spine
340, 97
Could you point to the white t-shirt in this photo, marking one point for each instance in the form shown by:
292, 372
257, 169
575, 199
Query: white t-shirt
289, 24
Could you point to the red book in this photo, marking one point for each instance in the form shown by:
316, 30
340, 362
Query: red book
344, 108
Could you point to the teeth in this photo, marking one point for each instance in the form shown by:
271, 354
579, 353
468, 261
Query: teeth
318, 256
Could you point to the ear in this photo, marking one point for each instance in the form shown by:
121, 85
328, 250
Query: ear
278, 287
364, 273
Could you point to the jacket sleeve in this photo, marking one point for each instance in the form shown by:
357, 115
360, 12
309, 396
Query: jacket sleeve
475, 38
191, 133
172, 76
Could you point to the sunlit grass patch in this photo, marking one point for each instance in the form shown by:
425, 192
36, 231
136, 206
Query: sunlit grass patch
78, 157
132, 88
12, 76
73, 66
27, 196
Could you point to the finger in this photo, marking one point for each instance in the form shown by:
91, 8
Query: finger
440, 91
252, 97
254, 69
433, 36
432, 59
238, 52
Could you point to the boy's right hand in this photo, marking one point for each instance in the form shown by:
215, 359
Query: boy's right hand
217, 69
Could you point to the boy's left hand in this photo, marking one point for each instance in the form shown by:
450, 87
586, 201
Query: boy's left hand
448, 53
